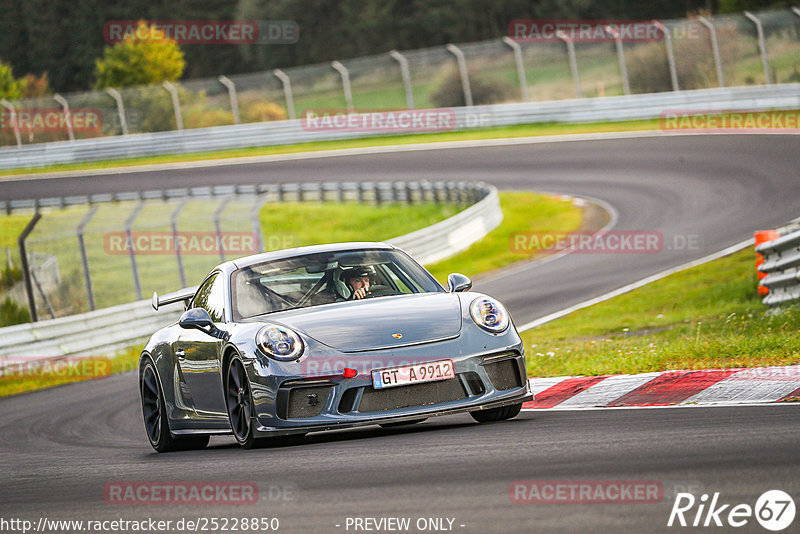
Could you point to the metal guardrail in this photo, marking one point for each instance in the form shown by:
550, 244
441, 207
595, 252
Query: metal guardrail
782, 266
617, 108
108, 330
377, 192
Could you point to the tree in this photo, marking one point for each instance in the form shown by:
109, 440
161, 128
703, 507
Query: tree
34, 86
143, 57
9, 87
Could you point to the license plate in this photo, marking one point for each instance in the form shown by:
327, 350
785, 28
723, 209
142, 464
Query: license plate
413, 374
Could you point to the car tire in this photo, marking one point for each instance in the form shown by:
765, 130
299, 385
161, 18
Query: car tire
496, 414
154, 413
239, 404
403, 423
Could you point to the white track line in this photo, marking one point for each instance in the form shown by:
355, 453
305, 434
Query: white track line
635, 285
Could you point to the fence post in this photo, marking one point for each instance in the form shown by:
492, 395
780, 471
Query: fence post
673, 71
462, 69
426, 191
173, 223
406, 75
573, 62
224, 80
137, 285
348, 94
523, 80
123, 122
448, 188
623, 68
714, 48
217, 228
87, 276
176, 104
261, 243
26, 269
762, 45
67, 116
287, 91
13, 116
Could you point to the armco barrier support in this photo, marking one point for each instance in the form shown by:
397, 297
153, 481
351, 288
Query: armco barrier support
762, 236
782, 267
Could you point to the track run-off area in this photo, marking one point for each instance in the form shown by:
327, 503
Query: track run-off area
63, 448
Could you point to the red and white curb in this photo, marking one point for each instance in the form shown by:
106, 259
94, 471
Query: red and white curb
668, 388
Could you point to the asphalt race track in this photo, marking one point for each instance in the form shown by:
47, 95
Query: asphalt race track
61, 447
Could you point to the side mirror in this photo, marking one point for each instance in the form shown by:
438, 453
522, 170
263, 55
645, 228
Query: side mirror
458, 282
196, 318
200, 319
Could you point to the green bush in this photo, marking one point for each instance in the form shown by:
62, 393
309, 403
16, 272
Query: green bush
197, 116
450, 93
262, 111
9, 86
142, 58
9, 276
648, 68
12, 313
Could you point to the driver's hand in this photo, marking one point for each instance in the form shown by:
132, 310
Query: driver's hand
360, 293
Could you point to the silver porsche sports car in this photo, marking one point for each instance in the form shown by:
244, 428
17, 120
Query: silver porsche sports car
326, 337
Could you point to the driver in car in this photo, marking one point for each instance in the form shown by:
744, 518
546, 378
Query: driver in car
359, 280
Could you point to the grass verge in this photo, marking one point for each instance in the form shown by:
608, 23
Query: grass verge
51, 374
706, 317
522, 212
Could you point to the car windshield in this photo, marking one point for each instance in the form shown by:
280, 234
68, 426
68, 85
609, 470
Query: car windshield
325, 278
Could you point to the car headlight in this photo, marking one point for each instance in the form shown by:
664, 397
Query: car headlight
280, 342
489, 314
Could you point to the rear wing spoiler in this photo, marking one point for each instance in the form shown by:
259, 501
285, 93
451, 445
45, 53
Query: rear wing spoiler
184, 295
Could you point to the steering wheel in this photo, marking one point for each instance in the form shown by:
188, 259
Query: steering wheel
380, 291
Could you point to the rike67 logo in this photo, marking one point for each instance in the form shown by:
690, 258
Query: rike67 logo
774, 510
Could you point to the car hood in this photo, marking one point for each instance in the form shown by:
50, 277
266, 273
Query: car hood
380, 323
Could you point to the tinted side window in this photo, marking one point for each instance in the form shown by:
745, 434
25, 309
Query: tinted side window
210, 297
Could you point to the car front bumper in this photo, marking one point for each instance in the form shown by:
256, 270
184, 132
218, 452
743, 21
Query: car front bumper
291, 403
